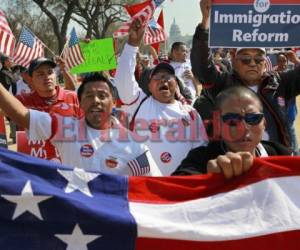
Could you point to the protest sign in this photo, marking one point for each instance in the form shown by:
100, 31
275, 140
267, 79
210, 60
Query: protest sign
98, 55
41, 149
255, 23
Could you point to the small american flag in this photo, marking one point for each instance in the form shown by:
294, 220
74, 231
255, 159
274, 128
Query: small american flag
72, 52
145, 14
140, 165
269, 66
29, 47
154, 33
7, 39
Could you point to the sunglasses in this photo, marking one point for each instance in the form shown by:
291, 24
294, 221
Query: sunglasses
247, 59
232, 119
165, 77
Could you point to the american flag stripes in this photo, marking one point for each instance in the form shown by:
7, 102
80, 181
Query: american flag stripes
269, 66
135, 8
144, 15
140, 165
29, 47
7, 39
72, 52
154, 33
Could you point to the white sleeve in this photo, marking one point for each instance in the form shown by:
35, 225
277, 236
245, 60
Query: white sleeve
128, 88
39, 126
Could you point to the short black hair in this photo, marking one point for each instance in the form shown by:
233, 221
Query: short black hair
236, 91
95, 77
176, 45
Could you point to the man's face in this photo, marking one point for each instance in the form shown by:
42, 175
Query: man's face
97, 103
163, 86
250, 64
242, 123
282, 62
43, 80
180, 54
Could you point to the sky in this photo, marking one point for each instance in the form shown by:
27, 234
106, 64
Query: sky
186, 13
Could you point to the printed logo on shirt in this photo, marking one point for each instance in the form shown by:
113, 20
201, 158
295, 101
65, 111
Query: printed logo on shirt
64, 106
153, 127
86, 150
111, 162
280, 101
165, 157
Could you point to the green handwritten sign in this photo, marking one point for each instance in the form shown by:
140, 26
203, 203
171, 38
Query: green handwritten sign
98, 55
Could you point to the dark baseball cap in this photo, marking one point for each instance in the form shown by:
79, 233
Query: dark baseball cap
36, 63
163, 66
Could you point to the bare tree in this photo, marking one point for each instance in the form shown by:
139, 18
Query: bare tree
49, 19
25, 13
59, 13
96, 16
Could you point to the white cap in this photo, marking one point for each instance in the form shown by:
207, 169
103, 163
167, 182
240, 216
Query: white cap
261, 49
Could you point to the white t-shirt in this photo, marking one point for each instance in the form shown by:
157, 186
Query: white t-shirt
168, 149
180, 68
105, 151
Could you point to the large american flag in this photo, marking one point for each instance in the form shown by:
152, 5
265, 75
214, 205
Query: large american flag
144, 12
45, 205
7, 39
72, 52
29, 47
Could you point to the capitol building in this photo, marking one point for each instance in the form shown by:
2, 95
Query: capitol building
175, 35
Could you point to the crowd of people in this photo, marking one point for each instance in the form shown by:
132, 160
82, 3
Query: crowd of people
191, 113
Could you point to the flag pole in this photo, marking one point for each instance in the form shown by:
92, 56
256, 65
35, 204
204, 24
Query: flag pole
50, 50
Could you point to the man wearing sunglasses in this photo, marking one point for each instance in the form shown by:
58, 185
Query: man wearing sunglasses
249, 69
242, 128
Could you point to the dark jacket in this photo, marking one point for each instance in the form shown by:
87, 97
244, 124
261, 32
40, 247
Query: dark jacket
274, 91
197, 159
7, 78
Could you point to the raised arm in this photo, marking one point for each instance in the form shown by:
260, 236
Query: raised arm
69, 80
202, 65
125, 81
13, 108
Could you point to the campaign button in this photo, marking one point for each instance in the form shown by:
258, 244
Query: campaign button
165, 157
86, 150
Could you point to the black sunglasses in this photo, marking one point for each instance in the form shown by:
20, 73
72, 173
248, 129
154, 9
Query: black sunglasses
232, 119
246, 59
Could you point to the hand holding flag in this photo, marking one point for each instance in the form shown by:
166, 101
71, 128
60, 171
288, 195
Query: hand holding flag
136, 32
